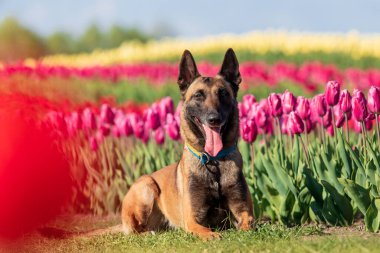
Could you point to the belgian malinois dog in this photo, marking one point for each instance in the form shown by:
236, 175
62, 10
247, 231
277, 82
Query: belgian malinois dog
206, 188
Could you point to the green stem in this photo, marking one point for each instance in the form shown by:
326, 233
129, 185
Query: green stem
304, 149
323, 134
347, 130
377, 128
333, 121
306, 134
280, 139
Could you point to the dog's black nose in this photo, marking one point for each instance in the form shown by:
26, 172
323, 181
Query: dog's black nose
214, 119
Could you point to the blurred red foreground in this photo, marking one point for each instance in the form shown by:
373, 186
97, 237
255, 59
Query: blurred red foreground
34, 176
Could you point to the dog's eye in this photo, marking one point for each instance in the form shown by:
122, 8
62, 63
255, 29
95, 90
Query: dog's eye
222, 92
199, 94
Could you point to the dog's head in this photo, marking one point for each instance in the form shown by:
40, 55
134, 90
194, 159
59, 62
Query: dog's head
209, 117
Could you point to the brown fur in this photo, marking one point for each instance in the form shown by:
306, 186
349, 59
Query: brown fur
190, 195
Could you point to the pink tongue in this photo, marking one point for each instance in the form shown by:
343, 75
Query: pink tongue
213, 140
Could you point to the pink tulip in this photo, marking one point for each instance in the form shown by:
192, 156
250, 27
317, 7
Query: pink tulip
303, 108
106, 114
309, 126
247, 102
374, 100
332, 93
172, 127
89, 119
165, 106
274, 103
345, 101
137, 125
159, 136
284, 124
359, 106
327, 119
57, 120
288, 101
153, 119
249, 131
261, 117
318, 104
295, 124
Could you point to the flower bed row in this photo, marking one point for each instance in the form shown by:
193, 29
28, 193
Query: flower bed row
308, 76
352, 44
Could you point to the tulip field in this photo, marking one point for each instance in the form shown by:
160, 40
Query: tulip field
310, 134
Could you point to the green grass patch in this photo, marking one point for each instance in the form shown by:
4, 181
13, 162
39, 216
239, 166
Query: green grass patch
266, 238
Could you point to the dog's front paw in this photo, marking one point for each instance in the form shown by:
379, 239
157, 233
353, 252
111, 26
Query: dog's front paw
209, 235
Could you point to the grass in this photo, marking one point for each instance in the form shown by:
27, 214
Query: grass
267, 238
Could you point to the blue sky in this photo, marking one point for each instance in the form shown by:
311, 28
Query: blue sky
195, 18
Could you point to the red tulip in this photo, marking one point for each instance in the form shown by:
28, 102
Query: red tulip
374, 100
318, 104
295, 124
249, 131
105, 129
359, 106
345, 101
288, 101
303, 108
159, 136
332, 93
76, 120
274, 103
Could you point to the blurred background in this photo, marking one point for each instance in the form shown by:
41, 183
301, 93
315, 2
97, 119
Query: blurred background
39, 27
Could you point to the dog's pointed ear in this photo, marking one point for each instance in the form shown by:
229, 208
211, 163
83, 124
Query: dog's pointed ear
230, 70
188, 71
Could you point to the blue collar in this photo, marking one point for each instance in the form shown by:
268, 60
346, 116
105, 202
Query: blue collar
206, 158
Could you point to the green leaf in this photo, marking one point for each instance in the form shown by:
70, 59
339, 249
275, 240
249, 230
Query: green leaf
347, 172
342, 203
287, 207
372, 216
315, 188
373, 156
296, 154
357, 193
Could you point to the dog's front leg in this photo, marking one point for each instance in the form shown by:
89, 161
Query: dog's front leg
190, 223
240, 203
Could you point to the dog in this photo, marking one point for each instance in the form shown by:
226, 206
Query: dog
207, 185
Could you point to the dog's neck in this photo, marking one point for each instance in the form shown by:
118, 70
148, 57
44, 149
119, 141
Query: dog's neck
191, 136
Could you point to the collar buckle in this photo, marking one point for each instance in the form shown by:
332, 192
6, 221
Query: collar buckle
205, 157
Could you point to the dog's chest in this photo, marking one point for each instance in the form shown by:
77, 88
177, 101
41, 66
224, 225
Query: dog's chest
207, 200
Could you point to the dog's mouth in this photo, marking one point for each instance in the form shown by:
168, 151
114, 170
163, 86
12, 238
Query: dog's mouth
213, 136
